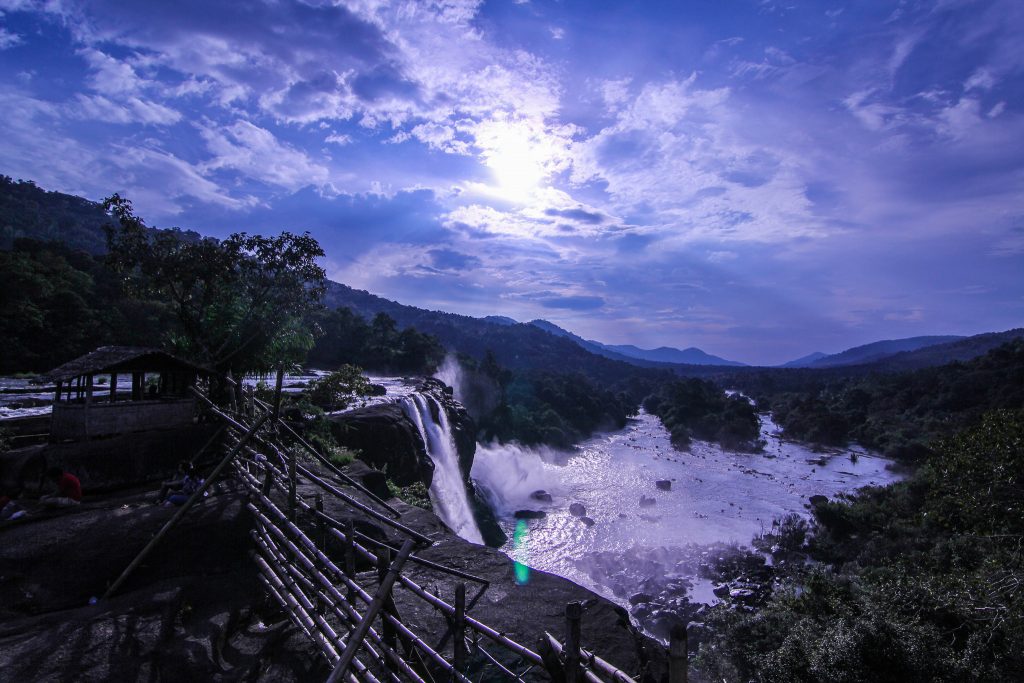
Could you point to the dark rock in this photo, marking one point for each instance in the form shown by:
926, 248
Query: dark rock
646, 501
542, 496
577, 510
387, 440
107, 464
588, 521
663, 484
376, 390
818, 499
530, 514
490, 530
374, 480
638, 598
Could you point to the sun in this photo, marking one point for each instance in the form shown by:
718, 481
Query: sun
517, 156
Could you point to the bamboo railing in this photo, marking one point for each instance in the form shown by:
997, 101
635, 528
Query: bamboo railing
352, 616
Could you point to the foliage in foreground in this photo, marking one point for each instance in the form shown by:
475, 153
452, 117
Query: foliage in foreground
922, 580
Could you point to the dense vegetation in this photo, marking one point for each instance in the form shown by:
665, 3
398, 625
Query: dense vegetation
59, 303
377, 345
694, 408
28, 211
921, 581
536, 406
242, 304
899, 413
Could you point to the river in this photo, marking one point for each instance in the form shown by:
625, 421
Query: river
716, 496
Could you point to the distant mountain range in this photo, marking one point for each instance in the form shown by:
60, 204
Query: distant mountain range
630, 353
868, 353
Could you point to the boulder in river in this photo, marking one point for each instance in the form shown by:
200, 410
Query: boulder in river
663, 485
646, 501
818, 499
577, 510
588, 521
541, 495
530, 514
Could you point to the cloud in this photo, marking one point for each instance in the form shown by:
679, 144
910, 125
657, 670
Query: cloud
448, 259
578, 214
8, 39
575, 303
257, 153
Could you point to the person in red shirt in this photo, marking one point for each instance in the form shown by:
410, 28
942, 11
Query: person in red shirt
69, 489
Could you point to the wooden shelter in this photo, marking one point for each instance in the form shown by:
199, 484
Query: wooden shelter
89, 400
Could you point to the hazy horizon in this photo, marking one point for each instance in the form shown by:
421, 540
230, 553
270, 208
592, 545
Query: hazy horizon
760, 180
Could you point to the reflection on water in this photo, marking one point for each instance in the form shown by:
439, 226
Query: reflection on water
714, 496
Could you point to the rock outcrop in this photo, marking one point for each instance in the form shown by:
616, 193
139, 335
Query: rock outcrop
387, 440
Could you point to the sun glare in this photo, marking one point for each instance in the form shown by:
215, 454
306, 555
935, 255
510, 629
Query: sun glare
517, 157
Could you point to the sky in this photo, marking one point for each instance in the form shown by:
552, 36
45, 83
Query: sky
758, 178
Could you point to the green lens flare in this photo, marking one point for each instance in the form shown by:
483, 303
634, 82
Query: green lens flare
520, 543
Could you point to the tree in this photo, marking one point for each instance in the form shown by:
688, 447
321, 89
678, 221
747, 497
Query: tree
243, 304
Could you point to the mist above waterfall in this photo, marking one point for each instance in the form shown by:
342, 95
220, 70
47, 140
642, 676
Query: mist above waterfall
473, 389
506, 475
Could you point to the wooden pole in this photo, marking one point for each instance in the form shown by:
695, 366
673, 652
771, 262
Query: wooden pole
277, 392
350, 557
383, 560
678, 657
459, 628
356, 639
193, 499
573, 612
113, 387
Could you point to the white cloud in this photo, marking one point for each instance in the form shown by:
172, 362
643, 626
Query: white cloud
8, 39
257, 153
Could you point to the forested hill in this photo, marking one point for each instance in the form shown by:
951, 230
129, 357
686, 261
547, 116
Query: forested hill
27, 210
517, 346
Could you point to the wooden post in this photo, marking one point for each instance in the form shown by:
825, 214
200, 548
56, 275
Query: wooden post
277, 392
678, 657
56, 396
88, 405
113, 387
321, 542
350, 557
459, 628
573, 612
356, 639
387, 630
291, 485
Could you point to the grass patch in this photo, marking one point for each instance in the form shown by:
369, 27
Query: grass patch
414, 494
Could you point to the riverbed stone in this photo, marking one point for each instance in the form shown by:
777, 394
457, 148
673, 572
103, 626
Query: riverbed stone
577, 510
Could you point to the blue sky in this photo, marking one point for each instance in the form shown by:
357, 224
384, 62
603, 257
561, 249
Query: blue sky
760, 179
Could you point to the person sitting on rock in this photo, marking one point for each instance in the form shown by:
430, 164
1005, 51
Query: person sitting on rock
9, 507
69, 489
180, 489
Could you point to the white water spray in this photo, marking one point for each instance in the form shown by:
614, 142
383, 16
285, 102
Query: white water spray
506, 475
447, 490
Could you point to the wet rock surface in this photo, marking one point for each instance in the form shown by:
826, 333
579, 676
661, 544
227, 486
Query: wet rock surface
667, 588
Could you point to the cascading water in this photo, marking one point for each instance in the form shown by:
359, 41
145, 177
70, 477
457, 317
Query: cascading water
447, 490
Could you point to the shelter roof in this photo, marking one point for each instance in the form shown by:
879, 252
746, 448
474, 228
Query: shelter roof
121, 358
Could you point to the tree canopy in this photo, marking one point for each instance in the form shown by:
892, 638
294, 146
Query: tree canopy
243, 304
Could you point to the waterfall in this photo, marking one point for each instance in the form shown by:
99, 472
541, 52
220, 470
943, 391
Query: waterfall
447, 490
